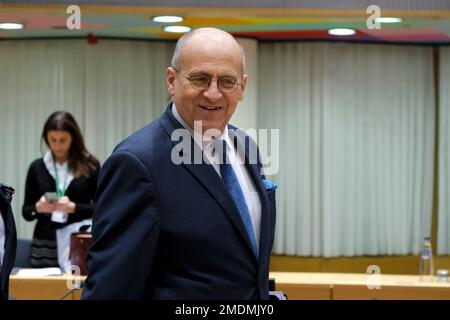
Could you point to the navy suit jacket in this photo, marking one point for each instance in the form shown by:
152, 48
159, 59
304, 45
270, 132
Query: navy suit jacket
167, 231
10, 245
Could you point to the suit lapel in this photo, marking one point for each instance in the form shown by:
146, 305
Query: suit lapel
207, 176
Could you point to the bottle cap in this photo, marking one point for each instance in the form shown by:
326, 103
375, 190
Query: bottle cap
442, 275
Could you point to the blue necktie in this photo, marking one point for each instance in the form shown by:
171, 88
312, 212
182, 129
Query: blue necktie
231, 182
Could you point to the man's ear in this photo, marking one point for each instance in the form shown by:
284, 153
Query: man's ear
243, 86
170, 80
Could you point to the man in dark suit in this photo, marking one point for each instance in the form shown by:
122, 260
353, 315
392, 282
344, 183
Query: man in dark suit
8, 239
173, 220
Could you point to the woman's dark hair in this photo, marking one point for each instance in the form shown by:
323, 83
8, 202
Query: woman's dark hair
81, 162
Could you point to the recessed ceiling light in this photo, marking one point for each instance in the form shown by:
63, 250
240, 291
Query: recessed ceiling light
167, 19
11, 26
177, 29
388, 20
342, 32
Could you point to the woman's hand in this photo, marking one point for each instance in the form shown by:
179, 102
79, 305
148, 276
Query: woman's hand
45, 206
65, 205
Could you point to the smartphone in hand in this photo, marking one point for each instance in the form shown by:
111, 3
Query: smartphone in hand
52, 196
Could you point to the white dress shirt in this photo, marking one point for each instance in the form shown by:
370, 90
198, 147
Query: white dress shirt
237, 162
65, 177
64, 174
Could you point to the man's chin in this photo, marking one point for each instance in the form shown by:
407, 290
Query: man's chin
209, 129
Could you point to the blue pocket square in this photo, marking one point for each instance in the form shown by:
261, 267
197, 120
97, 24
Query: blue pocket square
269, 185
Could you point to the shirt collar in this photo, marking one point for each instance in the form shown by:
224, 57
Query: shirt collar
49, 162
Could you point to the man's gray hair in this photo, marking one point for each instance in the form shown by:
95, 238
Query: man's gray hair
185, 38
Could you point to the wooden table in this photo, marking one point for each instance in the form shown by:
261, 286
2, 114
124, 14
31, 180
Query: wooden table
44, 287
297, 286
351, 286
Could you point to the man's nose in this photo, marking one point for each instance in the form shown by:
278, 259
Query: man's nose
213, 92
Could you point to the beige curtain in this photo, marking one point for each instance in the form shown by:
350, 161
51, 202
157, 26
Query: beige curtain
443, 245
356, 146
112, 88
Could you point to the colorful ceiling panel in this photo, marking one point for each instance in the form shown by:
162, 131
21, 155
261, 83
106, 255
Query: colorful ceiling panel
48, 20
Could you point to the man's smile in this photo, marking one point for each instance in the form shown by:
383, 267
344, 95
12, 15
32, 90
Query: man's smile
210, 108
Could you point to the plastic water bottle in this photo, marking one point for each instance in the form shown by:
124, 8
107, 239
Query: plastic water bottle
426, 271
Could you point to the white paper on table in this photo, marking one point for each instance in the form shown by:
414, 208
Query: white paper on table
39, 272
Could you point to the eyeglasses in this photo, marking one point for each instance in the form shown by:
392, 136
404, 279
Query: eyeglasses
202, 81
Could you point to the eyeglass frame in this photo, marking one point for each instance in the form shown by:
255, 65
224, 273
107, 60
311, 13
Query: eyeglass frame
237, 84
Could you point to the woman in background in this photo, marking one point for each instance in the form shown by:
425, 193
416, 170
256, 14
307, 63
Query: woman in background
60, 186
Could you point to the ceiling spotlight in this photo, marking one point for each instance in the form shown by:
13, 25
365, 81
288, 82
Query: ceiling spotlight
342, 32
177, 29
11, 26
388, 20
167, 19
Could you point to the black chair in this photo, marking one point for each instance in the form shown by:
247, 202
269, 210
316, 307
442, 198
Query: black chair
23, 253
